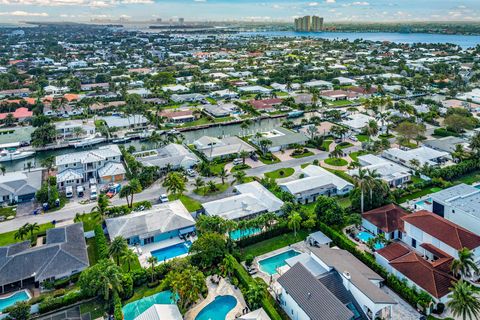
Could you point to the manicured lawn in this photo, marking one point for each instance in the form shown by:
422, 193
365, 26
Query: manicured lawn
216, 167
356, 154
192, 205
469, 178
418, 194
326, 144
92, 251
205, 191
8, 211
344, 202
416, 179
340, 103
9, 237
280, 173
305, 165
268, 161
224, 119
90, 220
303, 155
240, 167
344, 144
198, 122
275, 243
362, 137
386, 136
144, 291
133, 266
338, 162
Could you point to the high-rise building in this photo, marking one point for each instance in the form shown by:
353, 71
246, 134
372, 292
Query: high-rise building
181, 20
309, 24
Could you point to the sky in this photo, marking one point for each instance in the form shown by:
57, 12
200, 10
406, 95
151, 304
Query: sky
240, 10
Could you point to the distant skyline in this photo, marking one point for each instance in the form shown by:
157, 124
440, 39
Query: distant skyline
240, 10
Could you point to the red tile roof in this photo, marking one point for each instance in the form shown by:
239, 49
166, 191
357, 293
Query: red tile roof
20, 113
266, 103
393, 251
386, 218
432, 279
443, 230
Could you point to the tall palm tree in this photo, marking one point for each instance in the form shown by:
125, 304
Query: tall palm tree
129, 257
118, 247
243, 154
175, 183
465, 265
199, 183
102, 206
129, 190
109, 281
361, 182
294, 221
464, 302
239, 176
32, 227
21, 232
152, 260
223, 174
228, 264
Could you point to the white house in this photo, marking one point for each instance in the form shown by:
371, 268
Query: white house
174, 155
317, 182
393, 174
424, 155
214, 148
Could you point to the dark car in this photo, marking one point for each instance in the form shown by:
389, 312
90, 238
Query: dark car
254, 157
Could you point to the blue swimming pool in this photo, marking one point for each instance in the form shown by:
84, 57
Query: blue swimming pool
270, 265
218, 308
172, 251
134, 309
13, 298
424, 204
239, 234
365, 236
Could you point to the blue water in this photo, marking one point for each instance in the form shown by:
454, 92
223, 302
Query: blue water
136, 308
271, 264
423, 205
365, 236
239, 234
464, 41
218, 308
172, 252
12, 299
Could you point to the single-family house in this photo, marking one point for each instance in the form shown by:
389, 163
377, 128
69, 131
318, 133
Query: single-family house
173, 156
392, 173
64, 254
446, 144
129, 122
178, 116
20, 114
317, 182
266, 105
251, 199
74, 129
423, 155
281, 139
214, 148
220, 110
385, 220
19, 186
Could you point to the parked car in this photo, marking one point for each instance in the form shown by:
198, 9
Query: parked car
80, 191
114, 190
191, 173
163, 198
237, 161
93, 192
254, 157
69, 192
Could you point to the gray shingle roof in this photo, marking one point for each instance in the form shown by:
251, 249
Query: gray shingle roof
312, 296
64, 253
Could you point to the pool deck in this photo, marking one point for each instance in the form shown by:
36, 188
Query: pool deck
147, 249
221, 289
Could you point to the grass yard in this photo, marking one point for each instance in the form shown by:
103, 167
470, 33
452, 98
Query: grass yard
92, 251
267, 160
133, 266
303, 155
337, 162
469, 178
90, 220
275, 243
215, 168
362, 137
344, 144
344, 202
144, 291
326, 144
386, 136
95, 308
205, 191
303, 166
240, 167
340, 103
198, 122
224, 119
418, 194
356, 154
192, 205
9, 237
8, 212
280, 173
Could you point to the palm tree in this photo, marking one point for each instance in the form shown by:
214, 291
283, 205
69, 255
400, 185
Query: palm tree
102, 206
109, 281
371, 128
239, 176
464, 301
199, 183
361, 182
223, 174
312, 131
475, 143
118, 247
175, 183
243, 154
228, 264
48, 163
129, 190
31, 227
415, 163
255, 294
21, 232
264, 143
129, 257
464, 266
152, 260
336, 153
294, 221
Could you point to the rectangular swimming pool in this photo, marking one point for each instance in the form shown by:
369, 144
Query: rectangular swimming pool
270, 265
172, 251
240, 234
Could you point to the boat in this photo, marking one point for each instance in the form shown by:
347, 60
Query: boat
122, 140
87, 142
295, 114
12, 155
173, 131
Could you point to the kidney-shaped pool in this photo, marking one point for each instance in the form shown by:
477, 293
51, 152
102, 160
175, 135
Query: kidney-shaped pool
218, 308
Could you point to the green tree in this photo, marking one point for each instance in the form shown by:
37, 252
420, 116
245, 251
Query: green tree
255, 294
199, 183
152, 260
118, 247
329, 211
21, 232
19, 311
129, 257
228, 264
243, 154
175, 183
129, 190
294, 221
464, 302
223, 175
239, 176
187, 284
465, 265
102, 279
101, 209
31, 228
208, 250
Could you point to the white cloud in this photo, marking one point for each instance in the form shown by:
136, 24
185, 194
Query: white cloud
24, 14
360, 3
313, 4
330, 1
199, 0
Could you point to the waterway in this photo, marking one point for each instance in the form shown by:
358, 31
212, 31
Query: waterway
190, 136
464, 41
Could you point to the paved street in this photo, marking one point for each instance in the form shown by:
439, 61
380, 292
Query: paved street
286, 164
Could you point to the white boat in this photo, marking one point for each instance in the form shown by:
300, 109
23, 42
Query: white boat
122, 140
12, 155
87, 142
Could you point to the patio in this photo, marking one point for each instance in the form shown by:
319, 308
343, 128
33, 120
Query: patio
144, 252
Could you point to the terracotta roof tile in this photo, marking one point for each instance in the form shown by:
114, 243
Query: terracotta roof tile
387, 218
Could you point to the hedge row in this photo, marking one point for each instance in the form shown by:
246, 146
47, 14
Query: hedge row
458, 170
117, 307
268, 303
101, 243
51, 303
400, 287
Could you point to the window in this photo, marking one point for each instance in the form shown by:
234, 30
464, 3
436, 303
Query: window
414, 243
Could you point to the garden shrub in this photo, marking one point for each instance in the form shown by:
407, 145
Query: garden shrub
101, 243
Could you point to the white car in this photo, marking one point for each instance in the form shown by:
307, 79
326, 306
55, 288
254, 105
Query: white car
163, 198
237, 161
191, 173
